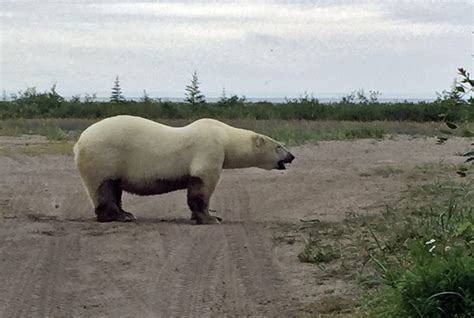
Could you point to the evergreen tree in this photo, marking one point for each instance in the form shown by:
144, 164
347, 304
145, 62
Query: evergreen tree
223, 99
146, 98
116, 96
193, 94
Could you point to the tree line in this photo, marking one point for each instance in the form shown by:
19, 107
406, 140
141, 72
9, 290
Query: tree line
450, 105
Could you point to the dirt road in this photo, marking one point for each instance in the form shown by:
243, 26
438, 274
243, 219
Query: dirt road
56, 261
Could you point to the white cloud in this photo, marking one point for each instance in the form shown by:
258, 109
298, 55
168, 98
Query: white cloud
245, 42
249, 10
131, 37
180, 25
7, 14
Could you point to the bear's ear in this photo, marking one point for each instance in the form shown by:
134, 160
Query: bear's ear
259, 142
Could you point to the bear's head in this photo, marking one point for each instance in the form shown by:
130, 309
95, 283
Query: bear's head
270, 154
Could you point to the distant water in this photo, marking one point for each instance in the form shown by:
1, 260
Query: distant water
280, 100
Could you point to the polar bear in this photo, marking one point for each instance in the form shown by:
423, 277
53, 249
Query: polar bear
141, 156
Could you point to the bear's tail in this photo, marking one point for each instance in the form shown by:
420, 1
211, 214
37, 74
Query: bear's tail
87, 180
75, 151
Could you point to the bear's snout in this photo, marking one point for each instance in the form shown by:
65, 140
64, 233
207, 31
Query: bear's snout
289, 158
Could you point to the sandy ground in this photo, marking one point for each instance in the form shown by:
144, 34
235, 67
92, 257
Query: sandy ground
56, 261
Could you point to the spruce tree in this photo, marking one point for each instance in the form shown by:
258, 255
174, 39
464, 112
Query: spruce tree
193, 94
116, 96
223, 99
146, 98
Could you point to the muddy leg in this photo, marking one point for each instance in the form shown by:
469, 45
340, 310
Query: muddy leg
109, 208
193, 216
198, 203
118, 199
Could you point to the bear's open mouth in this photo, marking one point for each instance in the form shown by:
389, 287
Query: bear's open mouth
281, 165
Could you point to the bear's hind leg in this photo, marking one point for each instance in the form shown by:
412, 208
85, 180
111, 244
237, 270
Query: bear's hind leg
109, 206
118, 199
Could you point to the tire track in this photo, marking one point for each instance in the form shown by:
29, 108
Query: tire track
51, 276
162, 293
32, 292
109, 290
34, 283
200, 272
18, 281
33, 279
251, 250
153, 291
228, 290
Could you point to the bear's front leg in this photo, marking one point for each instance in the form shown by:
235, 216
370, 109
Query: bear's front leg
199, 194
193, 216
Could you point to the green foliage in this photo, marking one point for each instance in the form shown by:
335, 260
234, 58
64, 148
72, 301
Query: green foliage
146, 98
432, 287
316, 252
34, 102
116, 95
31, 104
42, 128
193, 93
412, 260
434, 272
231, 101
453, 101
359, 97
46, 106
289, 132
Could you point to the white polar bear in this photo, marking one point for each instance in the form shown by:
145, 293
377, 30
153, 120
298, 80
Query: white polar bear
140, 156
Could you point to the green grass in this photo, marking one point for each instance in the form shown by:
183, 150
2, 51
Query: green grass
411, 260
385, 172
290, 132
52, 148
314, 252
52, 129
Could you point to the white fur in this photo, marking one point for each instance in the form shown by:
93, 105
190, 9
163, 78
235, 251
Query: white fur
141, 150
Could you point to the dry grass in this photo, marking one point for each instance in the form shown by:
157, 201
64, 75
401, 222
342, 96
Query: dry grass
288, 131
346, 250
50, 148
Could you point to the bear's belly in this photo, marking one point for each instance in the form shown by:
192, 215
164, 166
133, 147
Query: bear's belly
154, 186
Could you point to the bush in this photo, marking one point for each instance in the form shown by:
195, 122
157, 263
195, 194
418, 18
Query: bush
432, 286
50, 105
434, 273
437, 287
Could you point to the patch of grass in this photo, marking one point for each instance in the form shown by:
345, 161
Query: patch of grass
412, 260
330, 306
315, 253
364, 132
52, 133
52, 129
466, 133
387, 171
288, 131
52, 148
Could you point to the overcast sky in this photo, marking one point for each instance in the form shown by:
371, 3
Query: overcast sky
252, 48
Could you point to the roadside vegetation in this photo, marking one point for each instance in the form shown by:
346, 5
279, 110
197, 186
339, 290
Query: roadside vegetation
291, 132
415, 259
32, 104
